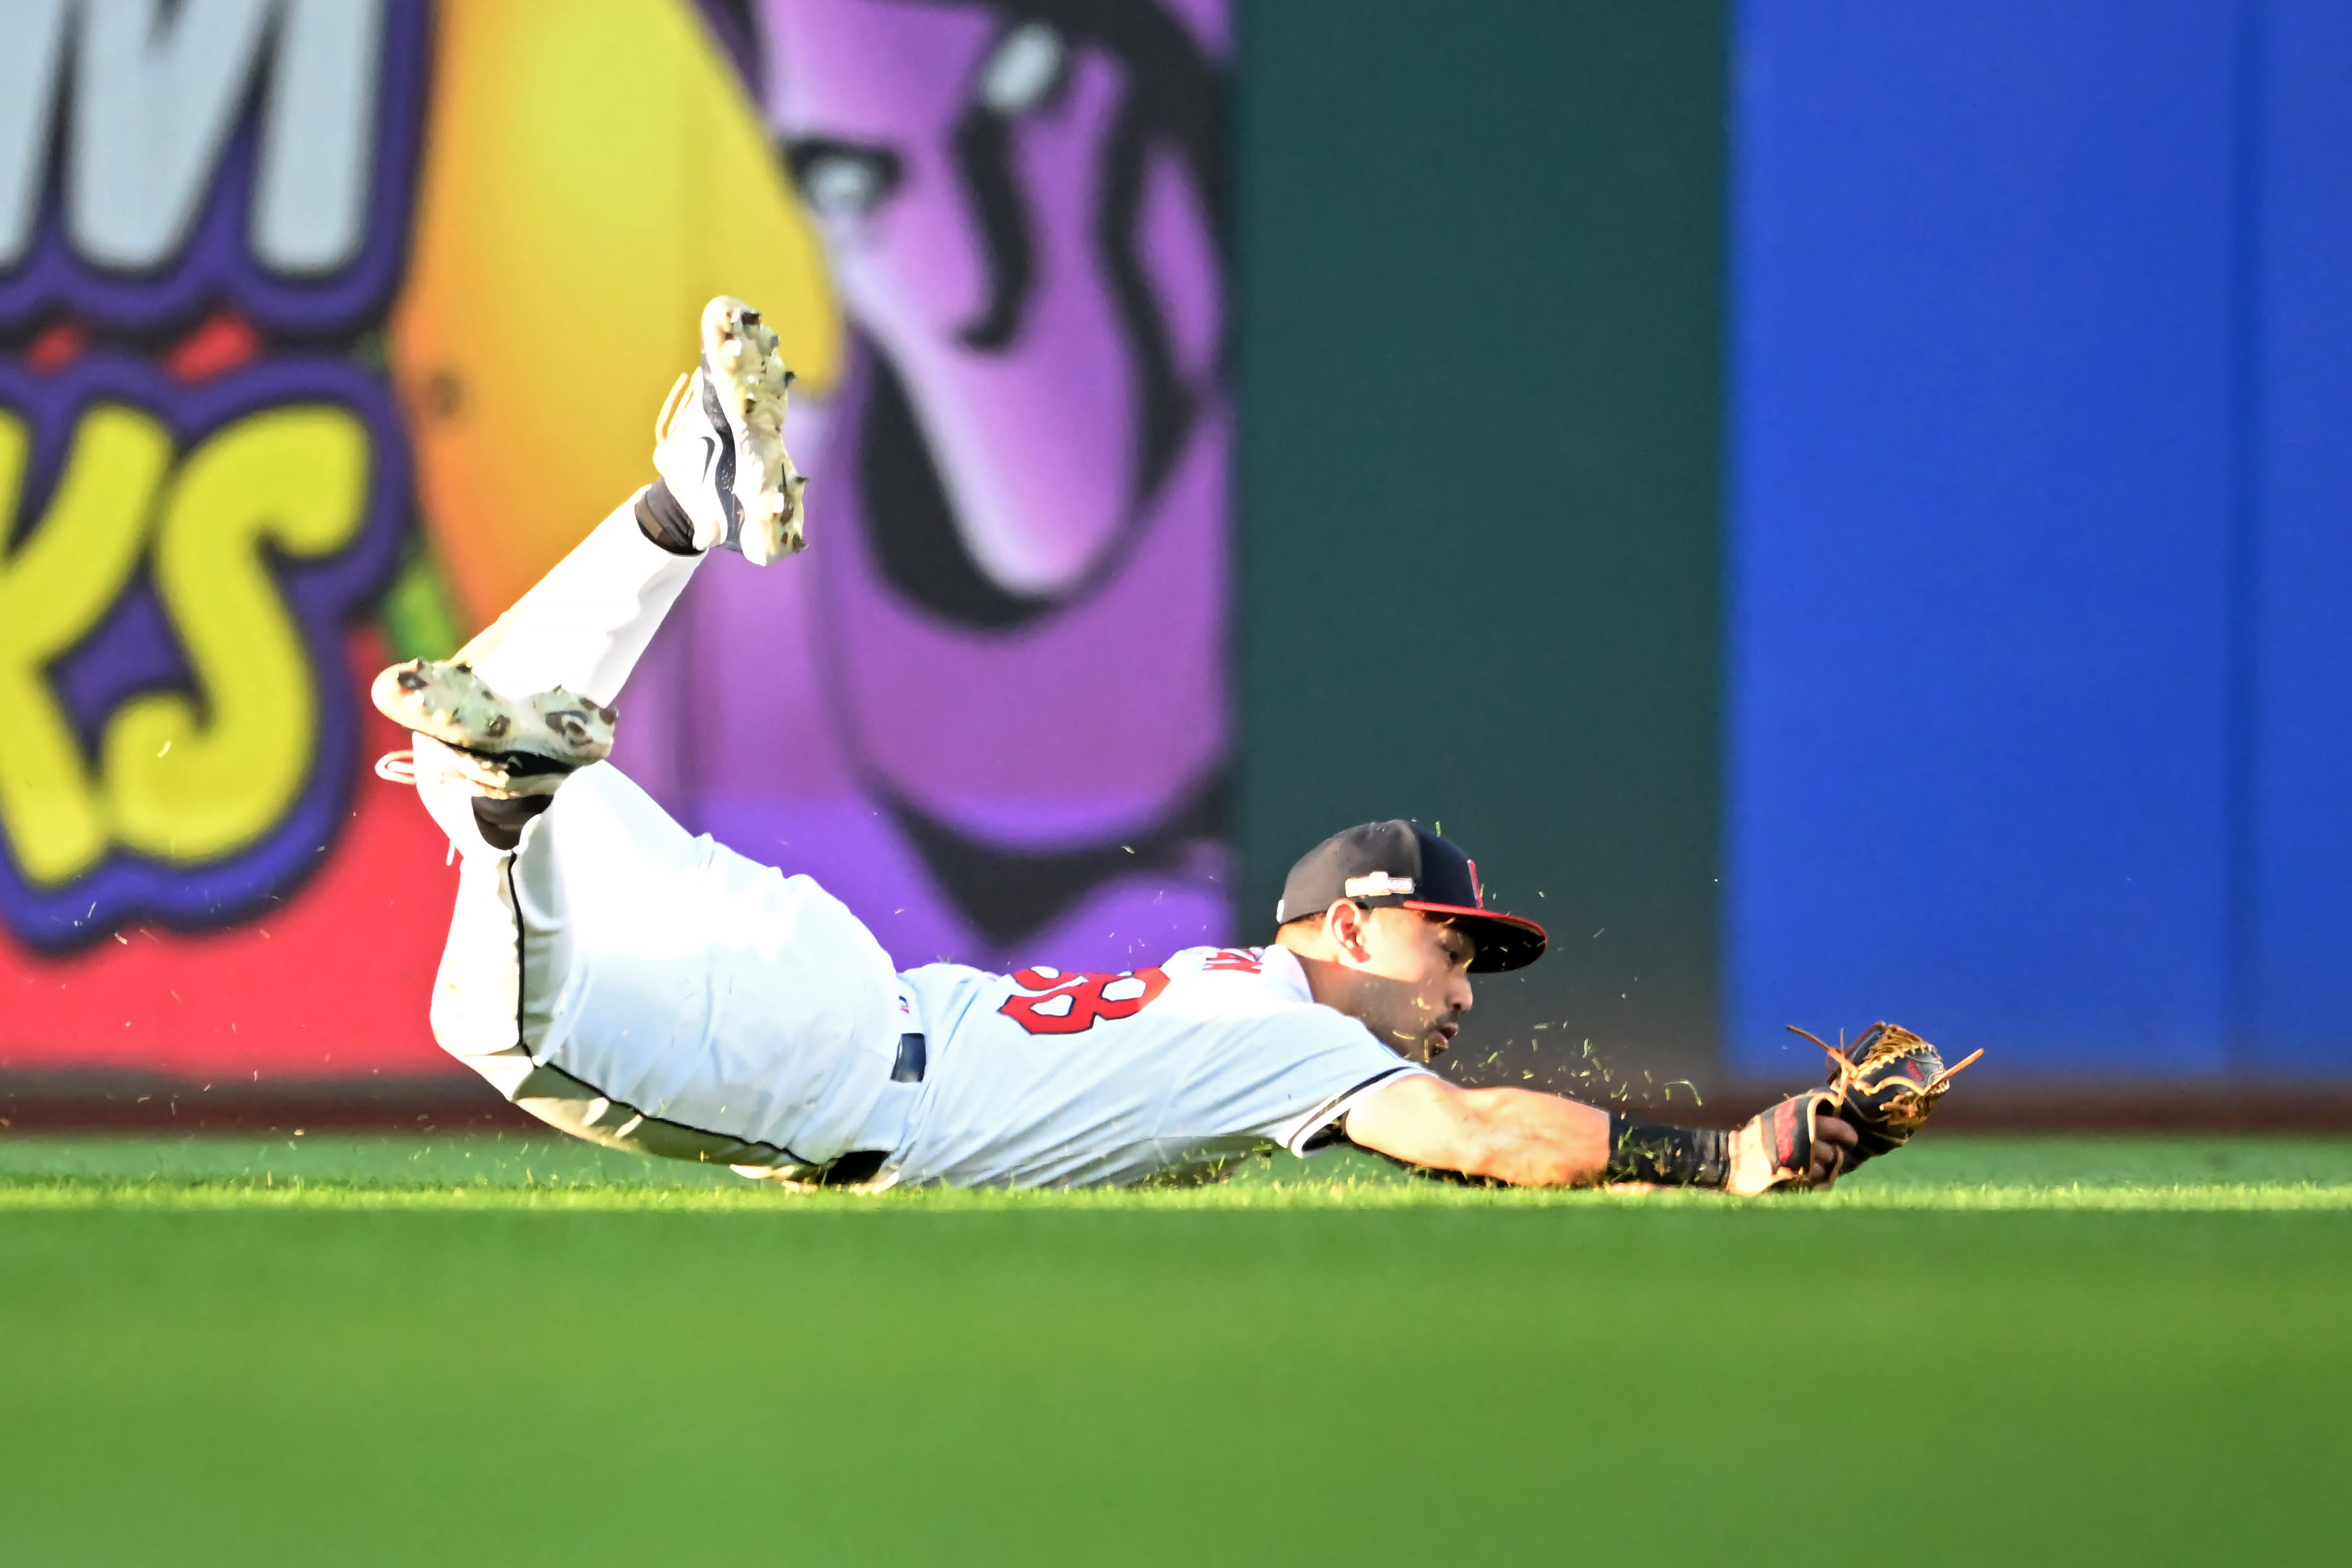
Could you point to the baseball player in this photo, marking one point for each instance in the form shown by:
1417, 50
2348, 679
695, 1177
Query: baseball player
633, 985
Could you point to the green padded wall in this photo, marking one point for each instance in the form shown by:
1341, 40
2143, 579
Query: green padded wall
1481, 276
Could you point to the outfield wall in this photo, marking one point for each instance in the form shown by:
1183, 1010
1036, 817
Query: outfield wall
2041, 681
1994, 679
1838, 512
329, 325
1481, 348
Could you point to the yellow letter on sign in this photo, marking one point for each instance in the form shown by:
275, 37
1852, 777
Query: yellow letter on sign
55, 585
192, 782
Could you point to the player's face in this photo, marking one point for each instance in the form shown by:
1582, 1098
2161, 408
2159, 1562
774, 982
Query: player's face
1414, 981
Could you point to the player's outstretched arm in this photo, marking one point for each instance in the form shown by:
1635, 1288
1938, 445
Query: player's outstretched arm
1514, 1135
1530, 1139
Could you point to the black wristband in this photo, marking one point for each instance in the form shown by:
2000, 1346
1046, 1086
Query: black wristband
1667, 1156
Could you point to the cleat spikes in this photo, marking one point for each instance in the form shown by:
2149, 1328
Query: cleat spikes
503, 748
721, 446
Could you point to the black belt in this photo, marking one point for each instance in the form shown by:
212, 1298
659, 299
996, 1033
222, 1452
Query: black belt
912, 1058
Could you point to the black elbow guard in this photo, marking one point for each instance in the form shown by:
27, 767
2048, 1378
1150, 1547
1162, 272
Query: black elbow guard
1667, 1156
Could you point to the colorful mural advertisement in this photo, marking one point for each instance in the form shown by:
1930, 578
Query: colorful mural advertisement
327, 325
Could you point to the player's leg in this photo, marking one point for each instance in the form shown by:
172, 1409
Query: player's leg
726, 482
606, 970
630, 983
529, 701
582, 627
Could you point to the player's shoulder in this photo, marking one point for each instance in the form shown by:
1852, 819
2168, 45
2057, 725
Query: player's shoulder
1271, 972
1238, 982
1257, 1000
1216, 961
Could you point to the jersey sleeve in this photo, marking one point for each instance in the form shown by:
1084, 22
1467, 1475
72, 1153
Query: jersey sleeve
1318, 1129
1294, 1075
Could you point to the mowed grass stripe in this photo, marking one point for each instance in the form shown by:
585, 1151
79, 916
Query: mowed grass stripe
508, 1174
303, 1349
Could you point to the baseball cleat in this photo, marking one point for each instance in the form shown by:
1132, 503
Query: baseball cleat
505, 749
720, 440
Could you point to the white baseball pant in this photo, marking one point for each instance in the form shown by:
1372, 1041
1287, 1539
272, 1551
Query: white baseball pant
627, 982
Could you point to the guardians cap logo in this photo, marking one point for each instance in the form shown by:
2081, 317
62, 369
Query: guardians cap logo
204, 211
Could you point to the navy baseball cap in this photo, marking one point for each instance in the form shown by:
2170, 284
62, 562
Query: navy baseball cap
1401, 864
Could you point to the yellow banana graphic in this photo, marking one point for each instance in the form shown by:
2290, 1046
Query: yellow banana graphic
593, 170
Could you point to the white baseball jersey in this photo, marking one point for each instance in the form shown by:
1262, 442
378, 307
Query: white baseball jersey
1042, 1077
634, 984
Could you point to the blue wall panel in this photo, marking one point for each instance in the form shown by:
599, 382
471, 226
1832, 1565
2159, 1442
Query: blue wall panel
1982, 567
2300, 932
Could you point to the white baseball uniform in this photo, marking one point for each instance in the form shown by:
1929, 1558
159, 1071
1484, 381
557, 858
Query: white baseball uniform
652, 990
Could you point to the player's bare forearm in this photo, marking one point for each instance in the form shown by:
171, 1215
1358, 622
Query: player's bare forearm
1516, 1135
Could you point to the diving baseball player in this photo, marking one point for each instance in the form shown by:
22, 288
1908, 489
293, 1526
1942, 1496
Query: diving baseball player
651, 990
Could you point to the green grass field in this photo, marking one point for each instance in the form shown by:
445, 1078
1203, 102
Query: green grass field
517, 1350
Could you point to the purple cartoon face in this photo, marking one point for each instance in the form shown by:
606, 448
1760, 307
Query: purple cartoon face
1017, 207
1001, 730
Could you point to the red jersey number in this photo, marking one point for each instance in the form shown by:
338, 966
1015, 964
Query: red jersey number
1051, 1003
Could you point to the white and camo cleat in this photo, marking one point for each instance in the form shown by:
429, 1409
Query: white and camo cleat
504, 749
720, 440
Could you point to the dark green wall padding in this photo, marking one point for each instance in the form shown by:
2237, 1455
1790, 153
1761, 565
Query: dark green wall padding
1481, 278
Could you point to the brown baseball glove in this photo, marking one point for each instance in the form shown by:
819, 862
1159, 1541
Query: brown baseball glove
1882, 1085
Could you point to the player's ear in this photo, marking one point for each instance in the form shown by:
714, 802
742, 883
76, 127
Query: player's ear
1348, 924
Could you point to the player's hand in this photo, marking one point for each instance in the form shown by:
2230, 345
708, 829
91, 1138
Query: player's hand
1796, 1143
1834, 1141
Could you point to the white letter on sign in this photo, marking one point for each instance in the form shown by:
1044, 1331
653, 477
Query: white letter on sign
34, 30
310, 206
153, 103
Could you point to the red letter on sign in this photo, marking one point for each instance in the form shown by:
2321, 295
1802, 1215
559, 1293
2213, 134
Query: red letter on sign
1069, 1004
